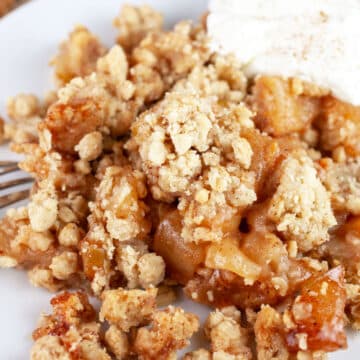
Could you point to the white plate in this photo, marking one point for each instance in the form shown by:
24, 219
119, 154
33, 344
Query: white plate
28, 39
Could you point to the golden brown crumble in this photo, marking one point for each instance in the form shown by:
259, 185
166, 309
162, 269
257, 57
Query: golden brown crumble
269, 342
64, 265
25, 111
170, 331
228, 339
342, 180
90, 146
159, 163
134, 23
189, 133
23, 106
70, 332
128, 308
117, 342
301, 206
77, 55
224, 330
339, 126
118, 233
137, 328
178, 50
353, 304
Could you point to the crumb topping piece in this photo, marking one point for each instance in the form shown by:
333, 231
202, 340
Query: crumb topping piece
70, 332
226, 334
77, 55
117, 342
90, 146
119, 228
128, 308
25, 112
301, 205
170, 331
339, 126
268, 335
342, 180
134, 23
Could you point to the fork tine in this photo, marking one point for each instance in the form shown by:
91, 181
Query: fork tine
9, 199
12, 183
7, 163
8, 169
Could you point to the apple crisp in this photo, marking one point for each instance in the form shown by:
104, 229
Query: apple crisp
136, 327
158, 163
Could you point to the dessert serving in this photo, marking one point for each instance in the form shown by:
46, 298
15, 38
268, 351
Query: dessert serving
168, 162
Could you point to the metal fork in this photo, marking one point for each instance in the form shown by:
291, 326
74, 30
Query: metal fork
7, 167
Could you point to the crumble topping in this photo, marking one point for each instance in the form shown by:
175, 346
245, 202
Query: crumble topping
64, 265
342, 180
353, 304
25, 111
301, 205
40, 277
189, 134
118, 232
77, 55
269, 342
339, 126
128, 308
229, 192
43, 209
70, 332
23, 106
134, 23
159, 333
49, 347
226, 334
170, 330
70, 235
90, 146
160, 164
138, 328
117, 342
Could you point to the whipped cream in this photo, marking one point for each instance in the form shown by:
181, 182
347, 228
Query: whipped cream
315, 40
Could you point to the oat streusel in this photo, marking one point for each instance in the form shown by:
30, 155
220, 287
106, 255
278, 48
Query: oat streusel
158, 163
77, 55
70, 332
134, 23
227, 337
